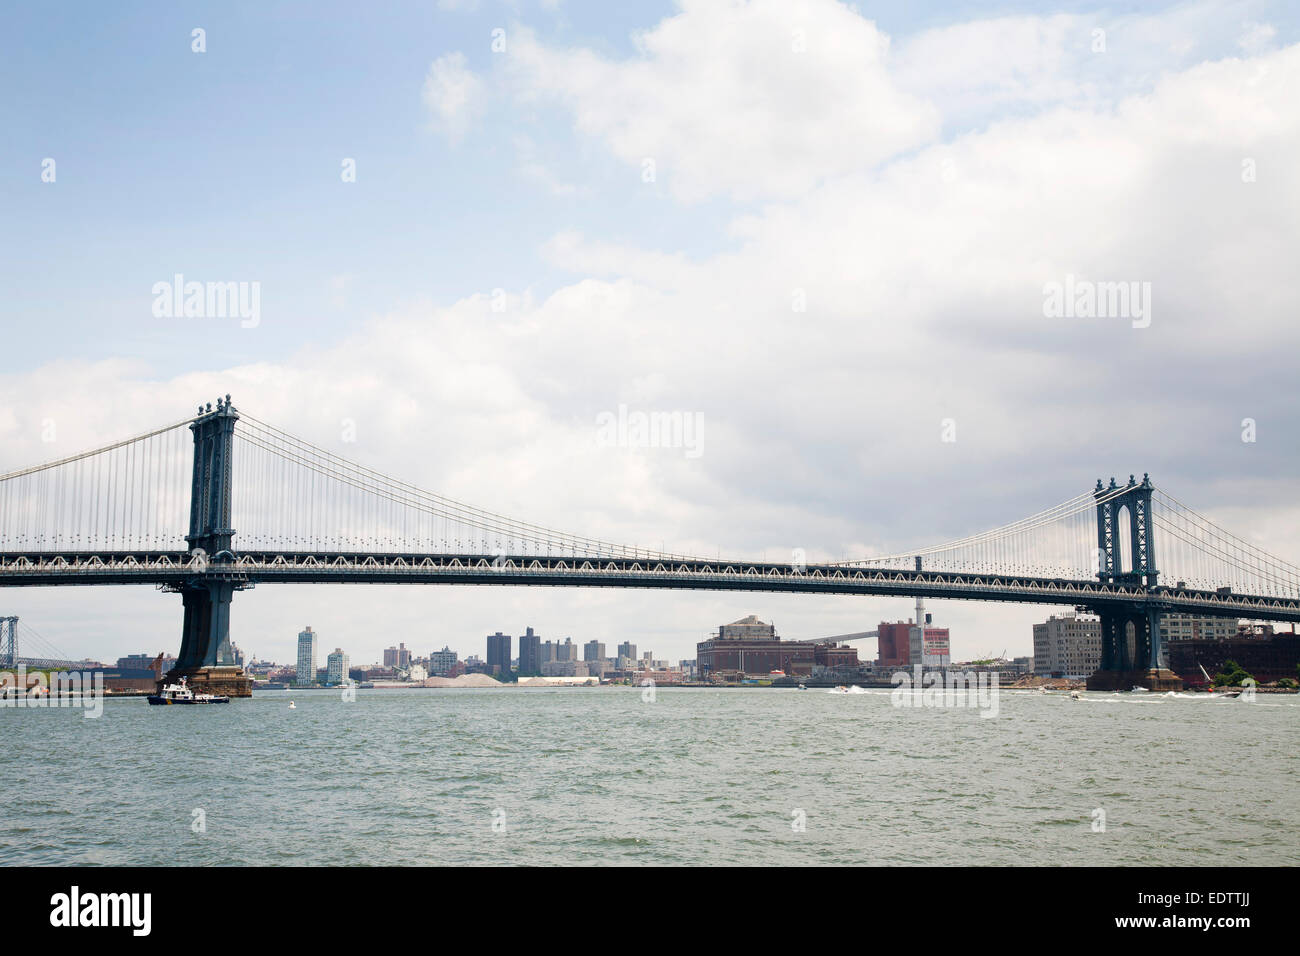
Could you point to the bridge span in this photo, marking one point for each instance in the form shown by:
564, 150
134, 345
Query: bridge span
160, 510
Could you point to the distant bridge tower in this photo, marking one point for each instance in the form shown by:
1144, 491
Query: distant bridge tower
8, 642
1135, 501
206, 656
1131, 649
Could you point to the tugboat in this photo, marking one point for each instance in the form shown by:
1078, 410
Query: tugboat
181, 694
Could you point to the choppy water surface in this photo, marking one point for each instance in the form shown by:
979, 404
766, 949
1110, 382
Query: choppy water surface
597, 775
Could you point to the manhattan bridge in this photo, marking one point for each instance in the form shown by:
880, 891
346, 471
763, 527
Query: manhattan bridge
239, 502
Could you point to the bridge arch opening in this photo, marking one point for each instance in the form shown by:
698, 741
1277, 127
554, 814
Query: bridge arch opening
1124, 549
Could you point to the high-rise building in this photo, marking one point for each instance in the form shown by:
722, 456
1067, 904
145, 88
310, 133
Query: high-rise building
1067, 644
336, 667
568, 651
498, 653
627, 650
442, 662
593, 651
398, 657
530, 652
306, 674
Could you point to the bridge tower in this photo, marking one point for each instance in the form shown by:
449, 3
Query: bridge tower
8, 642
205, 658
1143, 661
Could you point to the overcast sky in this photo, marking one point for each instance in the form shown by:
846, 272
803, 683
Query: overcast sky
825, 230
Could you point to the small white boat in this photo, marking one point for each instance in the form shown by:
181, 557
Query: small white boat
1042, 688
1138, 690
292, 705
181, 694
1075, 695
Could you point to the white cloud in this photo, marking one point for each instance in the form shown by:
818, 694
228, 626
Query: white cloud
750, 100
453, 94
1256, 37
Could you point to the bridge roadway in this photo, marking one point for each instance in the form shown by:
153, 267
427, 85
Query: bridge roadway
170, 569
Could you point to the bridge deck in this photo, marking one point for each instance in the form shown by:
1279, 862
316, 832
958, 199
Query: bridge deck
172, 569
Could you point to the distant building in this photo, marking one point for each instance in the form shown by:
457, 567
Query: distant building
752, 647
746, 629
336, 667
1266, 659
912, 642
593, 651
1067, 644
498, 653
397, 657
530, 652
141, 662
306, 672
894, 645
442, 662
565, 668
627, 650
1194, 627
568, 651
1247, 630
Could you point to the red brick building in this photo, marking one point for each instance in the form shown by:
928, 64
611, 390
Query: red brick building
751, 647
1266, 659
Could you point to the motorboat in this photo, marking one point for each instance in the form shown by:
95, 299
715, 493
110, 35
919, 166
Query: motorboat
181, 694
1135, 689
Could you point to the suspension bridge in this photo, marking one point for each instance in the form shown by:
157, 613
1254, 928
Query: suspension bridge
162, 508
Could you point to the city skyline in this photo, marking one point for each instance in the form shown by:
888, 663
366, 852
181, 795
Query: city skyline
504, 277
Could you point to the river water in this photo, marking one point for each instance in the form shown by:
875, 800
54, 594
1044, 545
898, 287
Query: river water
694, 776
